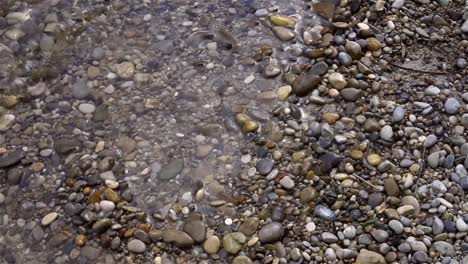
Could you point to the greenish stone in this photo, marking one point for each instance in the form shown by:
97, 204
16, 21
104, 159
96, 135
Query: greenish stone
172, 169
233, 242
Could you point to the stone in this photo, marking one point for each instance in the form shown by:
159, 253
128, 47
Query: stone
307, 194
438, 187
391, 187
212, 245
432, 90
337, 80
452, 105
318, 68
398, 114
6, 122
350, 232
305, 83
351, 94
90, 252
125, 70
373, 44
101, 225
171, 170
11, 158
464, 27
203, 150
242, 260
443, 248
461, 225
430, 141
271, 233
283, 92
328, 237
345, 59
282, 21
136, 246
106, 206
437, 226
49, 218
433, 160
179, 238
283, 34
287, 182
196, 230
380, 235
374, 159
354, 49
249, 226
325, 9
411, 200
87, 108
79, 90
386, 133
65, 146
264, 166
396, 226
370, 257
234, 242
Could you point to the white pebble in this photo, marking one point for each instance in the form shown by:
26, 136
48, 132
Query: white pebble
249, 79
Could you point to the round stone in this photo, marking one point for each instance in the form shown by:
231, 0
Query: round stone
271, 232
125, 70
374, 159
87, 108
212, 244
136, 246
106, 206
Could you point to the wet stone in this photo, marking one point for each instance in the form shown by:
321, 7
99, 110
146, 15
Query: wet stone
212, 245
283, 34
90, 252
172, 169
196, 229
233, 242
179, 238
271, 232
249, 226
264, 166
305, 84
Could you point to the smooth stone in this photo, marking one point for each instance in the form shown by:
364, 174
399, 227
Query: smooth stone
452, 105
432, 90
196, 230
106, 206
264, 166
411, 200
242, 260
305, 83
345, 59
65, 146
101, 225
386, 133
380, 235
464, 27
318, 68
430, 141
370, 257
80, 90
421, 256
307, 194
233, 242
125, 70
328, 237
136, 246
398, 114
90, 252
271, 232
212, 245
350, 232
391, 187
249, 226
354, 49
337, 80
283, 34
396, 226
179, 238
444, 248
461, 225
287, 182
172, 169
49, 218
351, 94
6, 122
437, 226
11, 158
433, 160
325, 213
438, 187
87, 108
398, 4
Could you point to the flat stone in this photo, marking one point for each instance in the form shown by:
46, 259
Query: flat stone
49, 218
196, 230
179, 238
351, 94
396, 226
271, 233
249, 226
328, 237
283, 34
125, 70
172, 169
287, 182
370, 257
305, 84
101, 225
11, 158
86, 108
444, 248
264, 166
452, 105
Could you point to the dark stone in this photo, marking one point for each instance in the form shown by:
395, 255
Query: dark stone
11, 158
305, 83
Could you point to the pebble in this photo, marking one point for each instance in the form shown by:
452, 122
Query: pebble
283, 34
452, 105
386, 133
370, 257
264, 166
233, 242
271, 232
136, 246
87, 108
212, 245
6, 122
337, 80
287, 182
49, 218
398, 114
